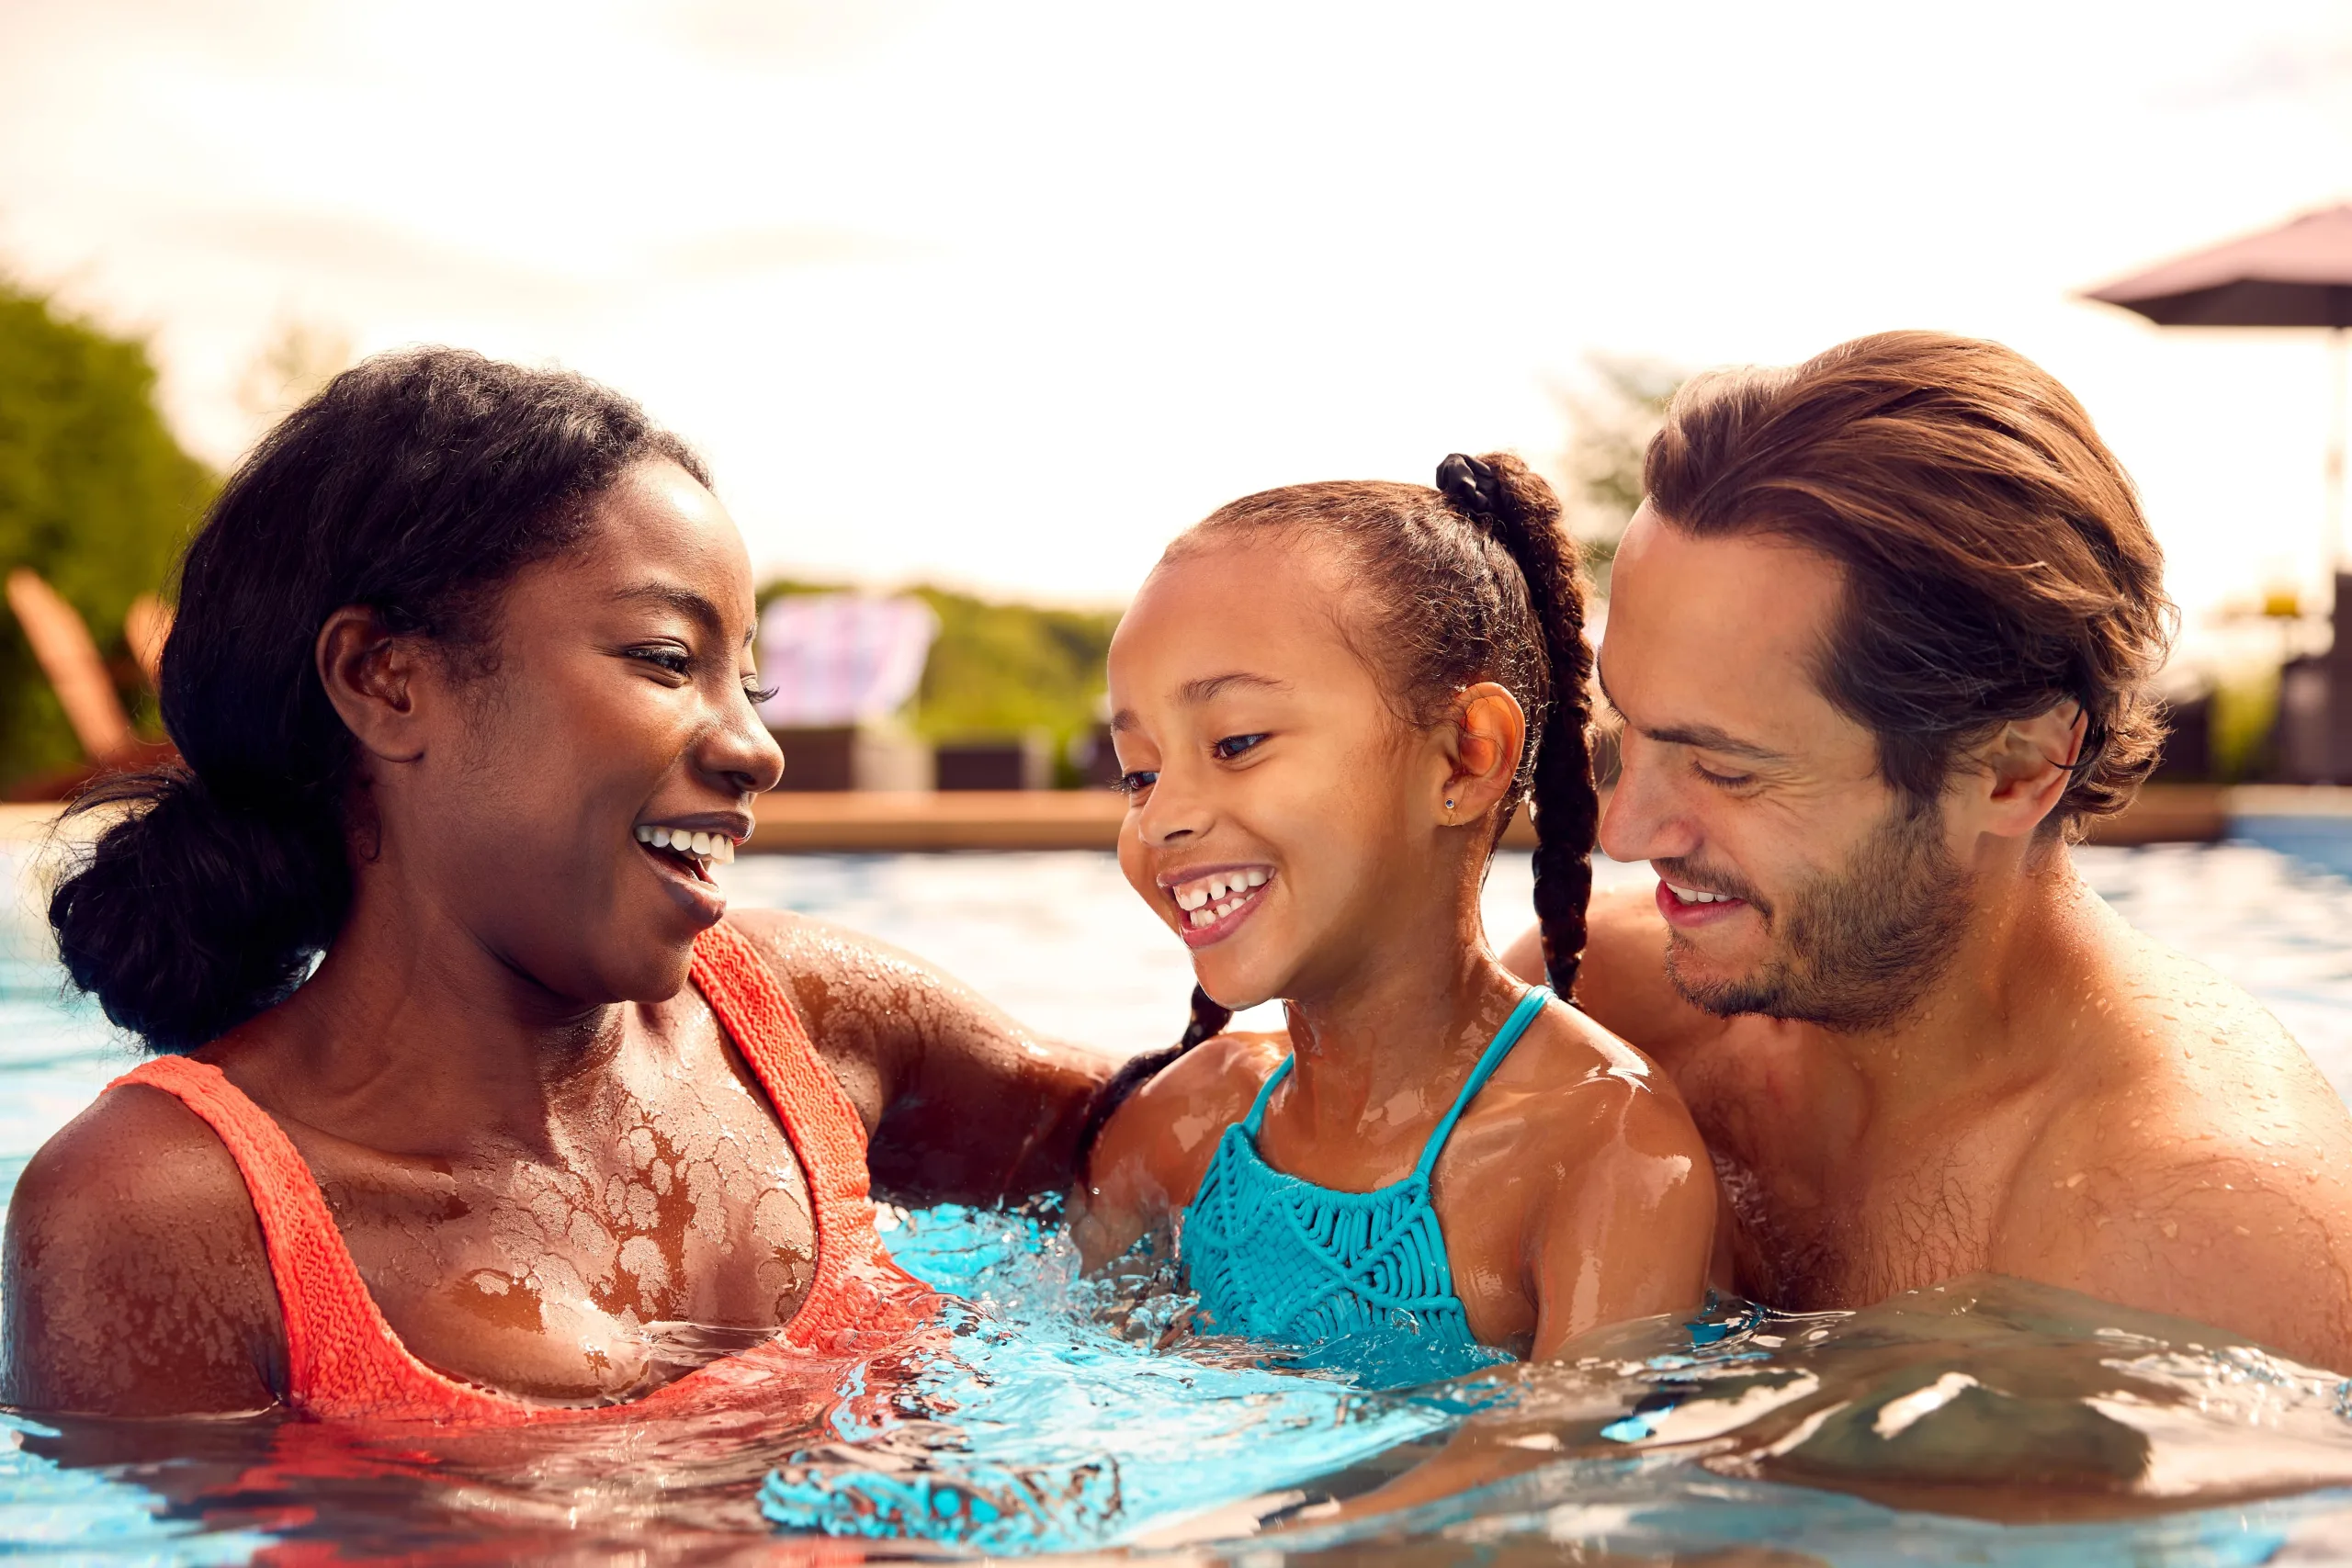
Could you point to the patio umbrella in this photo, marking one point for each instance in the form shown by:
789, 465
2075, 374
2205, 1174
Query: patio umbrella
2298, 274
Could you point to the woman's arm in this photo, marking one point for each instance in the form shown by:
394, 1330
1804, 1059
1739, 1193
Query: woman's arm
962, 1105
133, 1278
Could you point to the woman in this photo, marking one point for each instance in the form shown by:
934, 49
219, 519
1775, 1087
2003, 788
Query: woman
461, 676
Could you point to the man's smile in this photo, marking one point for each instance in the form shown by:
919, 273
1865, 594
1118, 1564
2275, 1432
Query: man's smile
1685, 907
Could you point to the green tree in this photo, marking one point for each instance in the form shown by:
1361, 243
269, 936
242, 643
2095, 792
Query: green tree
1610, 419
95, 495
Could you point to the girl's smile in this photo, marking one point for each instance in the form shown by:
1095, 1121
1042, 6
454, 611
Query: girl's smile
1211, 904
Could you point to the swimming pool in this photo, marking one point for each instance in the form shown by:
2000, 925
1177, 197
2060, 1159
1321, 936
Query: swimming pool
1986, 1422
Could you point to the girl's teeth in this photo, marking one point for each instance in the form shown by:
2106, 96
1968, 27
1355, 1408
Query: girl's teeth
1257, 879
1201, 918
701, 843
1216, 887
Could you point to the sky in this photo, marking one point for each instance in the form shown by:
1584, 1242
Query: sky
1004, 295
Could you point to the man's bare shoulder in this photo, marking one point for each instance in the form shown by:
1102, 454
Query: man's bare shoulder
2202, 1167
136, 1281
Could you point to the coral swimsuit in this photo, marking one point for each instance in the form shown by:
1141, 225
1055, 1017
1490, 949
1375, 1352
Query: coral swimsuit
344, 1360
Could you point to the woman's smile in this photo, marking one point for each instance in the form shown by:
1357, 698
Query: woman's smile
682, 855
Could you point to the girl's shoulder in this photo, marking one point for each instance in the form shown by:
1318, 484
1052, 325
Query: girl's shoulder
1152, 1154
1174, 1121
1592, 1088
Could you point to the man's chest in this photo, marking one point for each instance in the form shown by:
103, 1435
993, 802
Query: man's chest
1829, 1205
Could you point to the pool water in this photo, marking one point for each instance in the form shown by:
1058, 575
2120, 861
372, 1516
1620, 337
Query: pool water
1986, 1421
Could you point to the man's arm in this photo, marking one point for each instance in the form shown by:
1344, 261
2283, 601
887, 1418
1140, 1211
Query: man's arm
132, 1277
2194, 1223
962, 1105
1622, 983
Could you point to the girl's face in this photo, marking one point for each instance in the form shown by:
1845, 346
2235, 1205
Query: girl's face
1281, 820
616, 705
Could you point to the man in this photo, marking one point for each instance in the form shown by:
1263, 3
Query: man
1881, 640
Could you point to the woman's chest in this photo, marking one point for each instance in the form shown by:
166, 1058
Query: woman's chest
638, 1251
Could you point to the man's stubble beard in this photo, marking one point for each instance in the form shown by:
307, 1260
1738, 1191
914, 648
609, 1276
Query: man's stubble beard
1858, 947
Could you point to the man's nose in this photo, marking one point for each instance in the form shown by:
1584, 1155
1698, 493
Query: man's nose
1643, 819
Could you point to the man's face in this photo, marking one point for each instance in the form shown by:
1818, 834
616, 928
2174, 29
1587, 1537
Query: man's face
1794, 880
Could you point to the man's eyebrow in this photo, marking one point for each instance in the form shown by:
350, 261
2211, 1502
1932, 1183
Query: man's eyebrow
1703, 737
1213, 686
686, 602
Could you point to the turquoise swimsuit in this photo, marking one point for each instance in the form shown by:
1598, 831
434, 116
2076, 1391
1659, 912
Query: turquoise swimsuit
1355, 1280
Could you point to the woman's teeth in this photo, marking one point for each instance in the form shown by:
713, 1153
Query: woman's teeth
715, 847
1693, 896
1214, 897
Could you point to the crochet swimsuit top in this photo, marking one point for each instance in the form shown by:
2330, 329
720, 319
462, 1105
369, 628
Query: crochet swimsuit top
1357, 1281
343, 1358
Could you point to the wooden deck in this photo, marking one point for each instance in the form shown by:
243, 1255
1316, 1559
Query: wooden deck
856, 822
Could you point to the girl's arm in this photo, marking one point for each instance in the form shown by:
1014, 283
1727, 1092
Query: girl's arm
1629, 1231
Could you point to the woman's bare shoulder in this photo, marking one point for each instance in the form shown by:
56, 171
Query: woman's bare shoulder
135, 1276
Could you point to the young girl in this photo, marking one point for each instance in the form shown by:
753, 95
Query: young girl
1328, 700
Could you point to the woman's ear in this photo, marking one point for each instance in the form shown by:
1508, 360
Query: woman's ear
1483, 747
368, 673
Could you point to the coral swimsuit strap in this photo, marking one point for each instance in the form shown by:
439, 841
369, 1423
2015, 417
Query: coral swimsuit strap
345, 1361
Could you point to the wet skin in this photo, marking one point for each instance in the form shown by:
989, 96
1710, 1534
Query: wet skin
1574, 1190
558, 1177
2068, 1102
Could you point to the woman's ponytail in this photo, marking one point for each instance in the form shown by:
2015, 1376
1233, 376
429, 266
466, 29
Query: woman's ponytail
188, 916
1518, 510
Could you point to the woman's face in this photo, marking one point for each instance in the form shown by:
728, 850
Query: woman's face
1280, 817
616, 710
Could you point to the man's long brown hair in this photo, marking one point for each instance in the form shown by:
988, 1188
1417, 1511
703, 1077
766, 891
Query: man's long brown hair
1996, 558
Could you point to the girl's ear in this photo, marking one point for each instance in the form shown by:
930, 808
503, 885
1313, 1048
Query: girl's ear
1483, 745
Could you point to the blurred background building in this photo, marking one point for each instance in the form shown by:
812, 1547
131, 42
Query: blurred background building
974, 307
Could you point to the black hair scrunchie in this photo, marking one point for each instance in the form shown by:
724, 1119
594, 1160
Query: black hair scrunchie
1472, 486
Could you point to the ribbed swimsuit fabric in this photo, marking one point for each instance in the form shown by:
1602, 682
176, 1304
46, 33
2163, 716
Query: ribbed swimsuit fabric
345, 1362
1360, 1280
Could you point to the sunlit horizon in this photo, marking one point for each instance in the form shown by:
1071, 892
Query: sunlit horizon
1003, 298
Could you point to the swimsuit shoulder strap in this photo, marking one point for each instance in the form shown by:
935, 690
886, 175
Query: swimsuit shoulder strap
342, 1357
1256, 1117
857, 1288
1505, 1038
